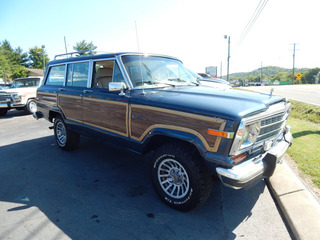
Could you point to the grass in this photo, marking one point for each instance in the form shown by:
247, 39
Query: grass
305, 150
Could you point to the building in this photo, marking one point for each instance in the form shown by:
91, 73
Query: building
212, 71
34, 72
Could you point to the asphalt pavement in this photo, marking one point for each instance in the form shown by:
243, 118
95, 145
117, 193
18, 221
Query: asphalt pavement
302, 93
99, 192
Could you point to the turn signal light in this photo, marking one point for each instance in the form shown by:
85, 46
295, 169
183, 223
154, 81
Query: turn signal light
239, 158
217, 133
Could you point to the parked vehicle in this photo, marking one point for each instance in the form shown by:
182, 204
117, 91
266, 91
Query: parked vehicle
23, 92
211, 82
204, 75
152, 105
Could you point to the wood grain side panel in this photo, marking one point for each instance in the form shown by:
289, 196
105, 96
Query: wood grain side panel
144, 119
47, 99
107, 115
71, 106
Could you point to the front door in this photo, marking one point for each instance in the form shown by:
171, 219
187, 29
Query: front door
102, 109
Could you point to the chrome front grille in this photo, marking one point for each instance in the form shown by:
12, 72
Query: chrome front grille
5, 97
271, 127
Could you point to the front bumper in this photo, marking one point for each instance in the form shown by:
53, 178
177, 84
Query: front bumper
254, 169
10, 105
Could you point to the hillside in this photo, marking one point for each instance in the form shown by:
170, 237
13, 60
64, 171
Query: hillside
267, 71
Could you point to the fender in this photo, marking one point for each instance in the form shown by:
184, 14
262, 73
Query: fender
175, 134
212, 159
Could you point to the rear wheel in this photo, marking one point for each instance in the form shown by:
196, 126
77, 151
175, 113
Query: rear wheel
180, 177
3, 111
65, 138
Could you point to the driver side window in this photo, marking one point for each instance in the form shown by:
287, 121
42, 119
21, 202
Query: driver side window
105, 72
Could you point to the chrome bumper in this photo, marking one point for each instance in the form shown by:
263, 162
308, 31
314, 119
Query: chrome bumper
10, 105
254, 169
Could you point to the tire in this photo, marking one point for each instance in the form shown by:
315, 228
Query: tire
65, 138
31, 106
180, 177
3, 111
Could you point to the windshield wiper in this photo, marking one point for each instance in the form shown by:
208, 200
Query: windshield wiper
182, 80
176, 79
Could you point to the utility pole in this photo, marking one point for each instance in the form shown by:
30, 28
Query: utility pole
294, 54
221, 69
225, 37
4, 76
261, 74
44, 61
294, 58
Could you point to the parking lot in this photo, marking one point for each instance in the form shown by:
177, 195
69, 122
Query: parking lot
99, 192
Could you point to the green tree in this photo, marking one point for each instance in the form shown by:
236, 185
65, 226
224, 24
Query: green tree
282, 76
84, 46
36, 58
310, 76
12, 61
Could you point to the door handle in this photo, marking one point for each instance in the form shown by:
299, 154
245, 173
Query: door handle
87, 91
61, 89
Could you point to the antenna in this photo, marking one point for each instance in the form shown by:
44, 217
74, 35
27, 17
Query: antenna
137, 35
143, 92
65, 44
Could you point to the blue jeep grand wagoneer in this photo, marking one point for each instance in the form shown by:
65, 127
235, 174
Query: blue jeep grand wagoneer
151, 104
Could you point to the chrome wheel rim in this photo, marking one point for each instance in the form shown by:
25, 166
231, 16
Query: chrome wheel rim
32, 107
61, 133
173, 178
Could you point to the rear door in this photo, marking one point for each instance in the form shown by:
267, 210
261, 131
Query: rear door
70, 95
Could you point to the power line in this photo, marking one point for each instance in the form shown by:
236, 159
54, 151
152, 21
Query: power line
253, 19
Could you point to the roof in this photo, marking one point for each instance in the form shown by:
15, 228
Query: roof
35, 72
100, 56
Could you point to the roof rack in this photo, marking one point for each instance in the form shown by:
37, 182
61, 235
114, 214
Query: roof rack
68, 55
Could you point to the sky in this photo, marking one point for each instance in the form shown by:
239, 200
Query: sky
192, 31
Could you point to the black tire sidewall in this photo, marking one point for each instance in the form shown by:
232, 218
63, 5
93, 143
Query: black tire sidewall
56, 121
192, 198
28, 105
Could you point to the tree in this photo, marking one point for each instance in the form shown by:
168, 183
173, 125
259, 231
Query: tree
84, 46
36, 58
282, 77
12, 61
310, 76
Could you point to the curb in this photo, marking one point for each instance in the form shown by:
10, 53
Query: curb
299, 207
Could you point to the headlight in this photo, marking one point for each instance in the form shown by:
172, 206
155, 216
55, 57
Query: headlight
15, 97
245, 137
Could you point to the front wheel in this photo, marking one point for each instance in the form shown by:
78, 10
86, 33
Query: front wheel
180, 177
31, 106
65, 138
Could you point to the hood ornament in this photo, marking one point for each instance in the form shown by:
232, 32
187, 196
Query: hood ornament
271, 91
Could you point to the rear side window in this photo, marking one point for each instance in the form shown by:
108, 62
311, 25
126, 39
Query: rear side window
56, 76
77, 74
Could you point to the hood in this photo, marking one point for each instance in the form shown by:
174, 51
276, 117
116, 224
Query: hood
228, 104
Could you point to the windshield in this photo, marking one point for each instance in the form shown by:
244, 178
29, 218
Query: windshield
30, 82
148, 71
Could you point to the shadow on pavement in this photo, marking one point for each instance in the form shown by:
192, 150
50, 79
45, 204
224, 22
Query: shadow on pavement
99, 192
305, 133
14, 113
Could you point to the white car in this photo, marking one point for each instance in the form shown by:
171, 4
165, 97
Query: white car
22, 93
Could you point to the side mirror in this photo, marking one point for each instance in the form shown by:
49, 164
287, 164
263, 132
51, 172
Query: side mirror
116, 86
